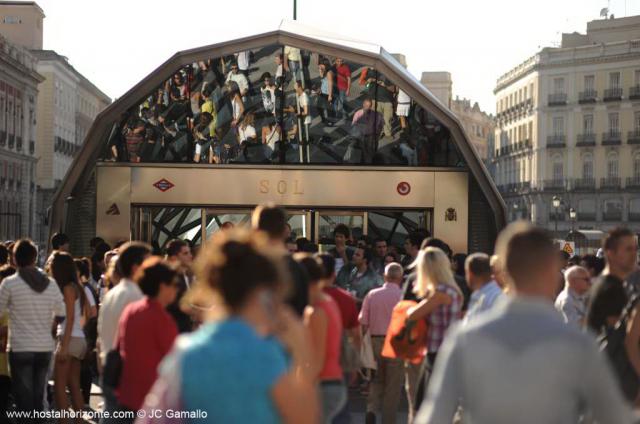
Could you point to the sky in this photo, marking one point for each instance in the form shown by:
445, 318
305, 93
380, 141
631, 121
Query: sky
116, 43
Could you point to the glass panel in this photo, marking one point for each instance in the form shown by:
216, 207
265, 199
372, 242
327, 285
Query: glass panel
394, 226
299, 226
327, 221
216, 219
169, 223
280, 104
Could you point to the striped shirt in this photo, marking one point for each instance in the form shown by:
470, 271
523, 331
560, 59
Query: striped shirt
30, 314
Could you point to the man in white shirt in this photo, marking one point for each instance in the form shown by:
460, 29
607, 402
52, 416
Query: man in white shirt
477, 268
32, 300
572, 301
240, 79
520, 363
131, 256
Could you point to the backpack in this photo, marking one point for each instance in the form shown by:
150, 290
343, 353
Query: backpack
612, 344
405, 339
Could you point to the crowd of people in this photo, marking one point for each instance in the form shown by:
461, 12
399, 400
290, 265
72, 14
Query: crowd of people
258, 328
279, 105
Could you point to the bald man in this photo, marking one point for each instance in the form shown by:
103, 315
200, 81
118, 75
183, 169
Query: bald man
572, 301
375, 317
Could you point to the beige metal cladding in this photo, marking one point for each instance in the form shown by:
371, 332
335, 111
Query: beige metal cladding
290, 34
446, 192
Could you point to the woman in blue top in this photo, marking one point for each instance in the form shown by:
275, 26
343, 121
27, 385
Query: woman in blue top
234, 370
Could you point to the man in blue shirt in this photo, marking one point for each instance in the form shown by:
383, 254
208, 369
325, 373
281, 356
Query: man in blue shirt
520, 363
477, 268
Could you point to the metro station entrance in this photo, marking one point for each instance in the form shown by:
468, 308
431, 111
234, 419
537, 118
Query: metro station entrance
157, 225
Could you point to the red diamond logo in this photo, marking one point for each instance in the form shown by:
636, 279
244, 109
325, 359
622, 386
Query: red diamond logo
163, 185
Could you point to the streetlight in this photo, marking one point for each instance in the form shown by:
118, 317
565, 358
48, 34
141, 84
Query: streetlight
556, 205
572, 216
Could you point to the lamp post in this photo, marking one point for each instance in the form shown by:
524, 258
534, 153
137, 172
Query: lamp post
295, 9
572, 216
515, 211
556, 205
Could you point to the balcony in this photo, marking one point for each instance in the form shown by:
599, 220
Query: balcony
633, 183
612, 216
633, 137
612, 94
586, 140
554, 185
584, 184
634, 216
557, 99
588, 96
634, 92
556, 141
611, 183
586, 216
611, 138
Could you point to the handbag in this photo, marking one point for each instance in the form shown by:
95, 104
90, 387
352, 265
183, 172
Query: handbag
112, 368
366, 353
612, 343
405, 339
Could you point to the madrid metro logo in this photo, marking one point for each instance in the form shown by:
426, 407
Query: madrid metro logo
403, 188
163, 185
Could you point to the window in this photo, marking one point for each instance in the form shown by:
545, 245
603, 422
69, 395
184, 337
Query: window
614, 80
636, 122
11, 20
612, 165
614, 123
525, 93
589, 83
558, 125
636, 77
587, 167
558, 168
558, 85
281, 118
612, 209
587, 124
531, 130
636, 166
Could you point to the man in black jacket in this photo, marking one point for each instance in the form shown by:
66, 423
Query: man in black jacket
179, 252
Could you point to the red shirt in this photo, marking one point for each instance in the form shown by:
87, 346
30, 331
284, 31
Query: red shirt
343, 75
145, 335
331, 370
346, 304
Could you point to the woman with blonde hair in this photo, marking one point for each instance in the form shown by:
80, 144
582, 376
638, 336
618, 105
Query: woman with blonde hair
442, 299
441, 305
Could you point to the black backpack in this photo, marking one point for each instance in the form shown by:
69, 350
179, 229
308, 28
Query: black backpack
612, 344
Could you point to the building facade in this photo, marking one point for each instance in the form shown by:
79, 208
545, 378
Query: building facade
67, 104
479, 125
19, 81
568, 126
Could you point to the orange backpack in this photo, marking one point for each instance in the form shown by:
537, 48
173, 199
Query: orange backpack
405, 339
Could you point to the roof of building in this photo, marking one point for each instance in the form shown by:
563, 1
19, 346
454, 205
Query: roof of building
22, 3
51, 55
290, 34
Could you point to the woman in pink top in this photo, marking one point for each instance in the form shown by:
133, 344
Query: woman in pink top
322, 318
